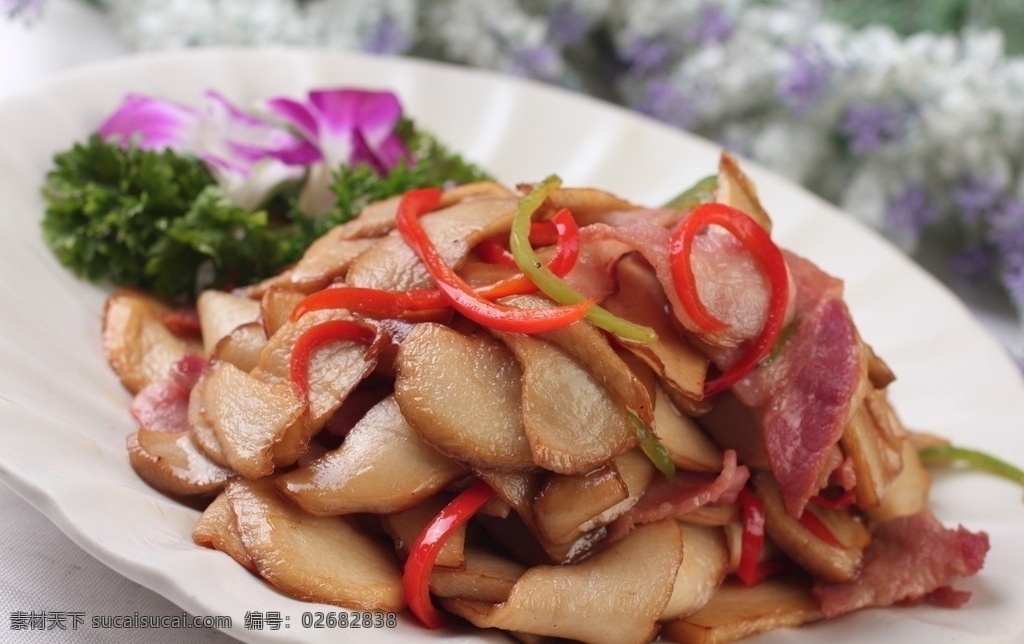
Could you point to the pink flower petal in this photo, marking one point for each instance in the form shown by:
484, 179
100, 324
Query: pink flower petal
151, 123
296, 114
348, 125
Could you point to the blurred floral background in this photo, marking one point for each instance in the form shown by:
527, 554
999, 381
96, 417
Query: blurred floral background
909, 116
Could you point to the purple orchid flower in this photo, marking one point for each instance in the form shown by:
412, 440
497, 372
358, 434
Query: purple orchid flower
249, 156
347, 126
28, 10
152, 124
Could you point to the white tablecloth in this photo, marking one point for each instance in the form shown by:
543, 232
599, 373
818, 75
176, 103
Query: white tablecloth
40, 568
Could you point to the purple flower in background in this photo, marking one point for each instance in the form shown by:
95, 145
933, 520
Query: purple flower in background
347, 126
974, 262
1012, 276
28, 10
567, 25
976, 197
868, 126
909, 211
713, 25
648, 56
663, 101
539, 61
386, 37
807, 78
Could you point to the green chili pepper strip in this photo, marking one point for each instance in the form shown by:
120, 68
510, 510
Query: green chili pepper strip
553, 286
972, 458
701, 192
652, 447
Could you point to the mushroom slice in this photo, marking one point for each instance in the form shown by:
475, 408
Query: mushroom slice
248, 416
276, 308
520, 533
571, 421
588, 204
200, 429
137, 344
908, 494
686, 443
823, 560
637, 472
374, 220
704, 568
335, 369
381, 467
873, 440
737, 611
241, 347
565, 503
327, 259
404, 527
216, 528
485, 577
592, 349
321, 559
737, 190
614, 596
462, 395
171, 463
221, 313
393, 265
641, 299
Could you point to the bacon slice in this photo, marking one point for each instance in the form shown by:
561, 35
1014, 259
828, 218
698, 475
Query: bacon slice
910, 559
810, 390
163, 404
683, 493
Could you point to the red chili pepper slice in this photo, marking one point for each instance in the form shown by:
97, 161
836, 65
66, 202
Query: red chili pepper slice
318, 335
567, 251
491, 251
371, 302
423, 554
457, 292
752, 514
494, 250
818, 528
760, 245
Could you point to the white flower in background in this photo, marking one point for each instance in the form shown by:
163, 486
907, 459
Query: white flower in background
175, 24
376, 26
496, 34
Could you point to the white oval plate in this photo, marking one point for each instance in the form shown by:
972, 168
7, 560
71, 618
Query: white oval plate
64, 414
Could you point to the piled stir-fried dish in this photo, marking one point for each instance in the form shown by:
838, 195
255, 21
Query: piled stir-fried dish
545, 410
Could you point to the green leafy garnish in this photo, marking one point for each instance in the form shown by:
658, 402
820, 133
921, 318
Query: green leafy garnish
108, 206
157, 220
